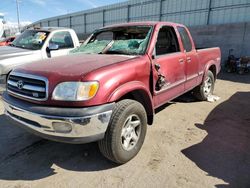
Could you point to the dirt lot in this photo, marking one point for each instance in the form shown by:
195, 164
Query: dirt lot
192, 144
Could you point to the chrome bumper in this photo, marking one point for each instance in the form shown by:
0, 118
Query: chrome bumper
2, 83
63, 129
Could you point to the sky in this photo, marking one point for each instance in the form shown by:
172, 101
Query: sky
34, 10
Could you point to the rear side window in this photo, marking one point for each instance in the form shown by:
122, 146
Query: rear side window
62, 39
185, 39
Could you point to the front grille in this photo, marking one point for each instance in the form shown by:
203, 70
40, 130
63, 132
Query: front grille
28, 86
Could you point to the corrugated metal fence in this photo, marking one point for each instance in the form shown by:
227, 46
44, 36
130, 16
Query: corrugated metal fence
188, 12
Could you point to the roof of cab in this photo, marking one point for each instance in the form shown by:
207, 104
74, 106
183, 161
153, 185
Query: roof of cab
48, 29
147, 23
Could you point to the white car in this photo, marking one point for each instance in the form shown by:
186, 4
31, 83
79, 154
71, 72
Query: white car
36, 44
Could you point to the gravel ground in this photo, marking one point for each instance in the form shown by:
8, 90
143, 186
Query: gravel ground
191, 144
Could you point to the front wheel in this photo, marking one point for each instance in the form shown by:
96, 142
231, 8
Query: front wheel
126, 132
202, 91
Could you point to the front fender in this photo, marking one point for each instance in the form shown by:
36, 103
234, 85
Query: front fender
139, 92
127, 88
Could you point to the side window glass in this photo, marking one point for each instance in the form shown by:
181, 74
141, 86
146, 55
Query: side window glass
62, 39
167, 42
185, 39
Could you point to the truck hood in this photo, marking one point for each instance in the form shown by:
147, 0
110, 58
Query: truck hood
9, 52
71, 66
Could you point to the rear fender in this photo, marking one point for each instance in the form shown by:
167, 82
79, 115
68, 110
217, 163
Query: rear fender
207, 67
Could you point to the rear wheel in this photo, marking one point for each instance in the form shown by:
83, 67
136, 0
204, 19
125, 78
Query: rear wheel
202, 91
126, 132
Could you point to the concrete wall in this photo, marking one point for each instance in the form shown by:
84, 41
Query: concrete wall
226, 36
202, 16
188, 12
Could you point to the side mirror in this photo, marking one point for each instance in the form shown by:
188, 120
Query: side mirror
53, 47
50, 48
157, 67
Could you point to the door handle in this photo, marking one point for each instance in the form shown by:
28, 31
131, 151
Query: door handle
181, 61
189, 59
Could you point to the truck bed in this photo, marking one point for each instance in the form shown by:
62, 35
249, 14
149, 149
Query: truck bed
206, 55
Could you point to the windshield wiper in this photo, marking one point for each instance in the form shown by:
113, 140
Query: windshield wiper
107, 47
121, 52
13, 45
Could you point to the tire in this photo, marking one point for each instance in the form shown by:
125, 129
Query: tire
202, 91
126, 114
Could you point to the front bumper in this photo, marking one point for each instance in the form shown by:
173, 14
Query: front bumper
3, 79
70, 125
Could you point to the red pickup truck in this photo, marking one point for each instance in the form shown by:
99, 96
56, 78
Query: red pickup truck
107, 90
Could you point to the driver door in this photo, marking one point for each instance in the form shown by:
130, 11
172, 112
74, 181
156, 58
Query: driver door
169, 65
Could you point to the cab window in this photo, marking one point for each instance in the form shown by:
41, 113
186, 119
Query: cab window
167, 42
62, 39
186, 41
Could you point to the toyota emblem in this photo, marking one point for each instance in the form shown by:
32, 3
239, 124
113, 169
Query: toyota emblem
20, 84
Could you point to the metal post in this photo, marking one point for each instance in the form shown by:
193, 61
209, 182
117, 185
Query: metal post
141, 9
128, 13
58, 24
85, 24
160, 15
209, 11
103, 18
18, 16
70, 22
243, 39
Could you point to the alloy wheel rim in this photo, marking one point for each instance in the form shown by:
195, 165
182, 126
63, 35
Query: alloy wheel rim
131, 132
207, 86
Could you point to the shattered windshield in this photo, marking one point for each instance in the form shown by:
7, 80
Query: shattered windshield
31, 39
132, 40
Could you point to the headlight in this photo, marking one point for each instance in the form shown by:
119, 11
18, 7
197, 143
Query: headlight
75, 91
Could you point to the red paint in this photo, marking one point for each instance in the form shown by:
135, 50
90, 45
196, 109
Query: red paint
7, 41
119, 74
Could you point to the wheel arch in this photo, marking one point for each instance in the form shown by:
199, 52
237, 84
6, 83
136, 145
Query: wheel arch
211, 66
138, 92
